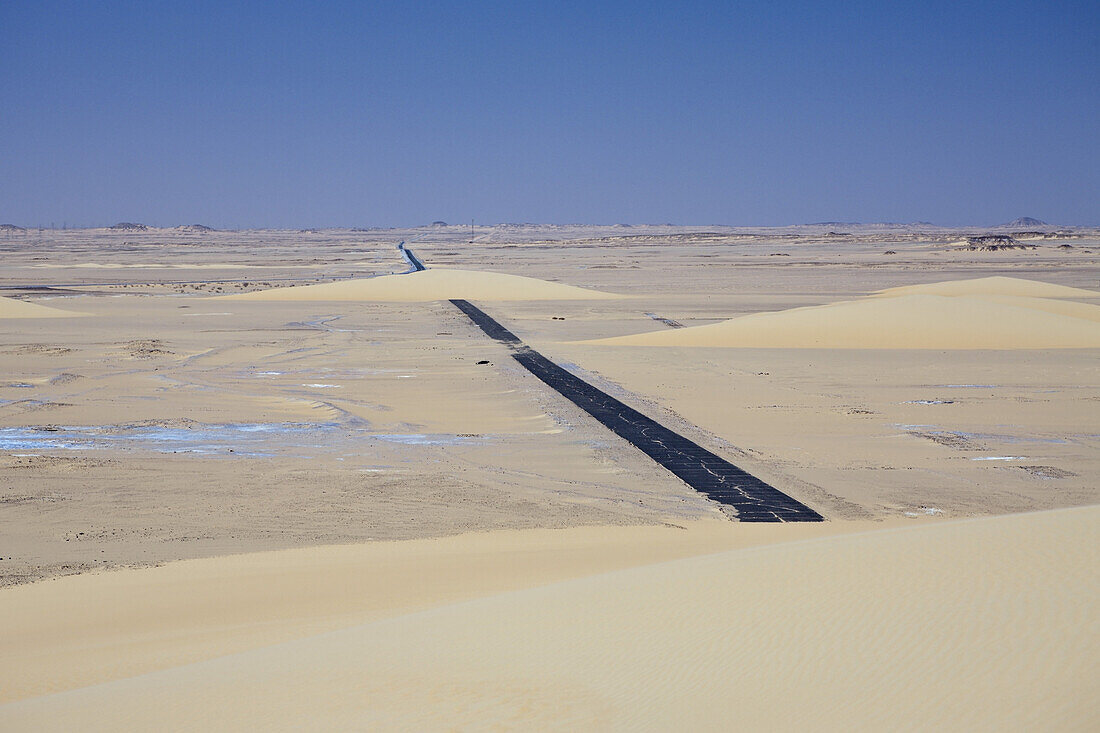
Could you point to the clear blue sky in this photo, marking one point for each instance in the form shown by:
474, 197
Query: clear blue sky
289, 114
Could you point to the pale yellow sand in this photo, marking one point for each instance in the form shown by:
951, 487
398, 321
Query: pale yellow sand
11, 308
429, 285
903, 322
986, 624
997, 285
1051, 305
82, 630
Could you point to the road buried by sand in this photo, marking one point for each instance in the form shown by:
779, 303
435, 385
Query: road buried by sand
722, 482
430, 285
702, 470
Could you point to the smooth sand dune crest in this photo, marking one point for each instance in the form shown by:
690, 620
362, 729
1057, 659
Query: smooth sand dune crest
901, 322
978, 624
997, 285
78, 631
11, 308
1070, 308
430, 285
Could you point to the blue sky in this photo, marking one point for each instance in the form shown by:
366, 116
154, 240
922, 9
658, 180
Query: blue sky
287, 114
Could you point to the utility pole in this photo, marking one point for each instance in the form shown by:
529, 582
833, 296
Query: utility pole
471, 231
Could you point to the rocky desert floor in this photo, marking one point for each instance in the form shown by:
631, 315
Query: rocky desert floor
166, 423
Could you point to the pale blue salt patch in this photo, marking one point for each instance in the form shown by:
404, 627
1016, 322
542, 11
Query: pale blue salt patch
428, 439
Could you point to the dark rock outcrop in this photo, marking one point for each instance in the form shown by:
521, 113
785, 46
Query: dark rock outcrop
994, 243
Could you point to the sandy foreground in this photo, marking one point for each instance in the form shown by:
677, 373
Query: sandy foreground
329, 501
974, 624
138, 621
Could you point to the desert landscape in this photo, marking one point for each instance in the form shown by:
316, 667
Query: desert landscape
608, 366
277, 478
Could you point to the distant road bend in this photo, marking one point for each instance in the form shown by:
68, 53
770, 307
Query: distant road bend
413, 260
717, 478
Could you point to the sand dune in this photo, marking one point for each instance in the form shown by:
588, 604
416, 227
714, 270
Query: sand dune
1070, 308
138, 621
429, 285
960, 625
901, 322
11, 308
1013, 286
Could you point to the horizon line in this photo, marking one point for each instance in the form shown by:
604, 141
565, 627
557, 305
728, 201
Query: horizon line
139, 226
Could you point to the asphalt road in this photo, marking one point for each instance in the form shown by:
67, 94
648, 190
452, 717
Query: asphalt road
721, 481
412, 259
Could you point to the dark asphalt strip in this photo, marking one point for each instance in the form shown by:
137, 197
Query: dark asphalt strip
487, 324
720, 480
412, 259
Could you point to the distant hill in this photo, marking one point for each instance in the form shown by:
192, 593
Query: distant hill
994, 243
11, 228
199, 228
129, 226
1025, 221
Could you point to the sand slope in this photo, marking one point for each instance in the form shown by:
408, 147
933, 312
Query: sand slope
1070, 308
901, 322
978, 624
11, 308
137, 621
433, 284
997, 285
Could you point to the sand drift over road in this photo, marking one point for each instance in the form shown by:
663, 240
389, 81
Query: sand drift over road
992, 313
431, 285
